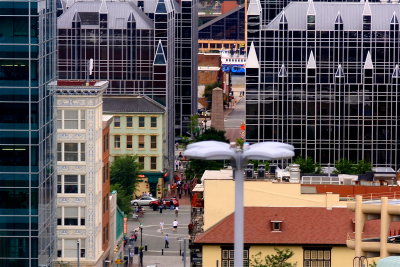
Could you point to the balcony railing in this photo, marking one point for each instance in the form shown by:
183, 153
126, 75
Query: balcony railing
376, 196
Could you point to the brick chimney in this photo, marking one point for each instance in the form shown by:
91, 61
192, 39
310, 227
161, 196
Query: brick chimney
217, 111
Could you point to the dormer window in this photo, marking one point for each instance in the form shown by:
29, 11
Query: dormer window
276, 226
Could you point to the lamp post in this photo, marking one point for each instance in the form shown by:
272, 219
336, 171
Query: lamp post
141, 235
205, 124
214, 150
78, 253
129, 254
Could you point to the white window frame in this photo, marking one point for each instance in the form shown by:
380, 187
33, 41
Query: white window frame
81, 185
81, 120
82, 246
81, 154
81, 215
115, 141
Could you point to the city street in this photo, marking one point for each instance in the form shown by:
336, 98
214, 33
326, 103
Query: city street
234, 119
154, 239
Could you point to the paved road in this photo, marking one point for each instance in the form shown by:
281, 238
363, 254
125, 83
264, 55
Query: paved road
154, 239
234, 119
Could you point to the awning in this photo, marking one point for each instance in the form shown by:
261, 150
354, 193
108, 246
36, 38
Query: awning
153, 176
198, 188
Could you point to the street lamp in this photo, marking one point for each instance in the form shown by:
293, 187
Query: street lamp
129, 254
205, 124
215, 150
141, 235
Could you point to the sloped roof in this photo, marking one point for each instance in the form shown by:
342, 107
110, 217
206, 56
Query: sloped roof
300, 225
326, 14
135, 104
118, 14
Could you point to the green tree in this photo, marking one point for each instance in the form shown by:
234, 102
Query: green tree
124, 171
123, 198
274, 260
196, 167
194, 125
208, 90
212, 134
363, 167
345, 166
307, 165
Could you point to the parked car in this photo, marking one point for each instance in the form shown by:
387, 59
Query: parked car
143, 201
165, 201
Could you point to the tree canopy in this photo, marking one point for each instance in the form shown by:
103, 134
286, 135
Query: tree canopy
274, 260
123, 179
124, 171
196, 167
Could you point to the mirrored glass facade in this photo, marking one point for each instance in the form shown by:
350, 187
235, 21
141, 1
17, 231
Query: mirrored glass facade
327, 82
27, 191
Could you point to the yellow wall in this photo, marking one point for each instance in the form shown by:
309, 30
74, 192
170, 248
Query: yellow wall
142, 187
340, 256
219, 198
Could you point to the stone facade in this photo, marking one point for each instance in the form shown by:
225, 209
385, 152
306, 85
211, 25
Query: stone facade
79, 172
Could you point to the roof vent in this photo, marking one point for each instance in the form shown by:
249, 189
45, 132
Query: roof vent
276, 225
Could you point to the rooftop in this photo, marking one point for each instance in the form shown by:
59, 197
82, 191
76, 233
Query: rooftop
300, 225
327, 12
134, 104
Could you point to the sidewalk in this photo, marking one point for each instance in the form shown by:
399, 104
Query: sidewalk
160, 261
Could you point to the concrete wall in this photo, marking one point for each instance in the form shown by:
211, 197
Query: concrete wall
220, 203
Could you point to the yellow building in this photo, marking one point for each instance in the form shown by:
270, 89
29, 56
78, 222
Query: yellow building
219, 191
283, 215
317, 236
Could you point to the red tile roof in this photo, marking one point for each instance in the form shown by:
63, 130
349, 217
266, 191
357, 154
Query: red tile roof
300, 225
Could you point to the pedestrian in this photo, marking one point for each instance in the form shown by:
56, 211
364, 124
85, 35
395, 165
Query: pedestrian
162, 227
166, 241
177, 145
161, 207
176, 165
180, 156
131, 239
175, 225
176, 211
185, 189
141, 257
135, 235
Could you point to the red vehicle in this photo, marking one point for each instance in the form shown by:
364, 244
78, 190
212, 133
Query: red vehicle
165, 201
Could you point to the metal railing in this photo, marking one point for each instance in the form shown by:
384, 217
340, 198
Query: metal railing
320, 180
375, 196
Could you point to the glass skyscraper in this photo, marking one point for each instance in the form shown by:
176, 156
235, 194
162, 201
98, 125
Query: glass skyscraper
27, 193
324, 77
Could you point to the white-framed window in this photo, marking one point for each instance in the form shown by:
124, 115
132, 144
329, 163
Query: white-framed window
153, 122
140, 141
153, 141
70, 216
142, 122
129, 121
71, 119
276, 226
228, 258
117, 141
141, 162
70, 151
71, 184
117, 121
67, 248
129, 141
317, 257
153, 163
